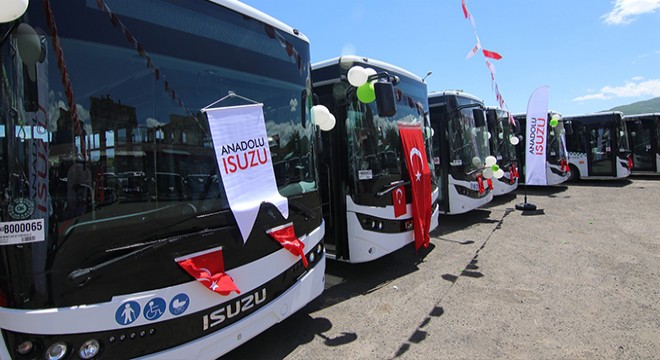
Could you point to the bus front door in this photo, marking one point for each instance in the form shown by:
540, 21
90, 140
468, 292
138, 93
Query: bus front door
602, 156
644, 146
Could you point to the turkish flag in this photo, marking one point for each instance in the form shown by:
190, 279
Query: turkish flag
208, 267
412, 140
286, 236
491, 54
399, 201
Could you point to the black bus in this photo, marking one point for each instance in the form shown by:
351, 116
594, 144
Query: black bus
557, 168
362, 162
598, 146
644, 139
460, 141
109, 175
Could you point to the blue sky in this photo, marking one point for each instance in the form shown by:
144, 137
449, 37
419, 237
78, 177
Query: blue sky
594, 55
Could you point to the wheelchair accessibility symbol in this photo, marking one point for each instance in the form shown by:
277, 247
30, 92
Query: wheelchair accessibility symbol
154, 309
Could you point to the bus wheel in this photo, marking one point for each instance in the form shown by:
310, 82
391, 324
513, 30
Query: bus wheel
574, 175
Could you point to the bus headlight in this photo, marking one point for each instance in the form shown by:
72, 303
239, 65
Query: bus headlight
56, 351
25, 347
89, 349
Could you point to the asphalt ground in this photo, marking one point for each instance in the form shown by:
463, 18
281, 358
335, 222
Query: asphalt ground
576, 279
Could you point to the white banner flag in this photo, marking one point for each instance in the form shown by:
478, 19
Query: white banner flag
536, 134
241, 149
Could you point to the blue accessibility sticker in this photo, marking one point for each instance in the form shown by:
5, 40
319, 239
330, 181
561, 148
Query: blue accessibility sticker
179, 304
154, 309
127, 312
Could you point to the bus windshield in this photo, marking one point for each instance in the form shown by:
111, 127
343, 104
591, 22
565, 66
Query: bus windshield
102, 137
468, 143
500, 138
622, 135
373, 141
557, 143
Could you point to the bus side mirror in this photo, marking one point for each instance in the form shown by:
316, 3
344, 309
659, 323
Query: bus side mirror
385, 99
479, 118
568, 126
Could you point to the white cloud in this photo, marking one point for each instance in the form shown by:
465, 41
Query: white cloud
635, 88
625, 11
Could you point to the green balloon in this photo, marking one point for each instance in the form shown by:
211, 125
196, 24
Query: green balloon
366, 93
554, 122
495, 167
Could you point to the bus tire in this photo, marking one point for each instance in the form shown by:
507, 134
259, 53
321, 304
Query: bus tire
574, 175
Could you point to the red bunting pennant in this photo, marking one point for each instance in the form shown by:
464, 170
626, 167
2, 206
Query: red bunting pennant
491, 54
208, 267
286, 236
466, 13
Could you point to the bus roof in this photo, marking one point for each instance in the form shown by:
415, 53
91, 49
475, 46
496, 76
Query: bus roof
263, 17
645, 115
454, 93
365, 61
551, 112
598, 114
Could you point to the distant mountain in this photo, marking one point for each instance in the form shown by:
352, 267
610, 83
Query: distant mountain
640, 107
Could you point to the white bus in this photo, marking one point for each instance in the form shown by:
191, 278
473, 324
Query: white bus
598, 146
362, 161
644, 139
460, 140
502, 147
557, 158
110, 180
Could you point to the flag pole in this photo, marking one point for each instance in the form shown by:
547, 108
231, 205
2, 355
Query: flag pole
525, 206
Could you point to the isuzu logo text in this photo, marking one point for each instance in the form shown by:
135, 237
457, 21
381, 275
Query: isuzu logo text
234, 309
537, 136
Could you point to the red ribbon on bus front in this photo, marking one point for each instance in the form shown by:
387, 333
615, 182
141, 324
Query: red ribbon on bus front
480, 181
286, 236
412, 140
208, 267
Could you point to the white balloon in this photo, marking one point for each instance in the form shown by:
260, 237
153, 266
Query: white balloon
12, 10
487, 173
476, 161
498, 174
370, 72
357, 76
490, 160
320, 114
330, 124
514, 140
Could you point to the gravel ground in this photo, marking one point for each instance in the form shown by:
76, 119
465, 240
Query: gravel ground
577, 279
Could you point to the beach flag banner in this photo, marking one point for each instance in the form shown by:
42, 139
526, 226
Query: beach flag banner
536, 135
245, 163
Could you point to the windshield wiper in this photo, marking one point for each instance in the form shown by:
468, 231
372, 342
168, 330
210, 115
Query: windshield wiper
81, 276
393, 185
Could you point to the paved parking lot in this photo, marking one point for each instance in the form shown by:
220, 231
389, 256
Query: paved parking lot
577, 279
